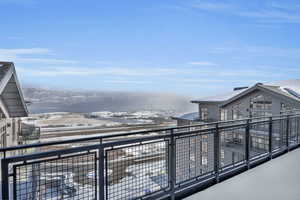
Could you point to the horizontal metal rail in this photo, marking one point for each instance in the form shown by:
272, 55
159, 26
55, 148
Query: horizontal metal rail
110, 136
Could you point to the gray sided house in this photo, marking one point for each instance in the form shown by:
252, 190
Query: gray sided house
12, 106
260, 100
246, 102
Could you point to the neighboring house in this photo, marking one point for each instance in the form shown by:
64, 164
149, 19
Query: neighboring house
247, 102
210, 108
260, 100
12, 106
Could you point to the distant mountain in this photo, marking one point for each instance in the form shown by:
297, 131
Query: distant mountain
45, 100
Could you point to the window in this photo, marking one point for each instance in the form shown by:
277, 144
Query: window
260, 106
285, 108
236, 112
223, 113
204, 147
204, 113
222, 154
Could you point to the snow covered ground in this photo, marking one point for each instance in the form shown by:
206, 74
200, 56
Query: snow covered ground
144, 179
66, 120
72, 121
275, 180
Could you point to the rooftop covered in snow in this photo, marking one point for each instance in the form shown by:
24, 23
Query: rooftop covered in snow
219, 98
287, 88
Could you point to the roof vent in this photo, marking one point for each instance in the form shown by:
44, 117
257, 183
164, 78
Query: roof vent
240, 88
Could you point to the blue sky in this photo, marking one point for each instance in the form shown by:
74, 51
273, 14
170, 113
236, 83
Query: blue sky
188, 47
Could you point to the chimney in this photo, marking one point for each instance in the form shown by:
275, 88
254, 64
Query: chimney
239, 88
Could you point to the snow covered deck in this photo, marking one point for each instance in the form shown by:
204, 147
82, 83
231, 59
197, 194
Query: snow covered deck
276, 179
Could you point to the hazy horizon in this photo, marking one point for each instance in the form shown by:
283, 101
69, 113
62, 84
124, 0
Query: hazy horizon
45, 101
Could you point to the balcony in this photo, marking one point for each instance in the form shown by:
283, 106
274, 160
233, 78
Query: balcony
164, 163
277, 179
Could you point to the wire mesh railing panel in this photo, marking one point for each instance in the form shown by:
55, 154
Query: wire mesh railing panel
259, 139
136, 171
194, 156
163, 163
232, 146
293, 130
72, 177
279, 134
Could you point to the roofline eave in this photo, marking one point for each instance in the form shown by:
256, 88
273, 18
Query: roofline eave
240, 95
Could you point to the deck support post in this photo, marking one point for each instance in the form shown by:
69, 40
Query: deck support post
287, 132
270, 137
217, 152
101, 163
247, 144
172, 164
5, 179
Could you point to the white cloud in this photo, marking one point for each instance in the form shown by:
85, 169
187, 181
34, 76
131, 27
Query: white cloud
29, 51
45, 61
208, 80
262, 13
213, 6
179, 74
285, 6
13, 54
92, 71
257, 51
15, 38
17, 55
273, 15
202, 63
127, 82
103, 62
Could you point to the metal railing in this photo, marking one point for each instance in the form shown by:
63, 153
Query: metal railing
156, 164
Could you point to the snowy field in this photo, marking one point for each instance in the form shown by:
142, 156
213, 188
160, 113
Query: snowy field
72, 121
278, 179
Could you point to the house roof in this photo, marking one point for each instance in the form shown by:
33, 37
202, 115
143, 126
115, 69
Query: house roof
12, 102
219, 98
289, 89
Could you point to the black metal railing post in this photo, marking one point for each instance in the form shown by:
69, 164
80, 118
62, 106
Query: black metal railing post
172, 164
217, 152
287, 132
101, 163
270, 137
5, 180
297, 129
247, 144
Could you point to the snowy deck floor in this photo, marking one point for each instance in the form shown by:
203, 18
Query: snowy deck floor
278, 179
